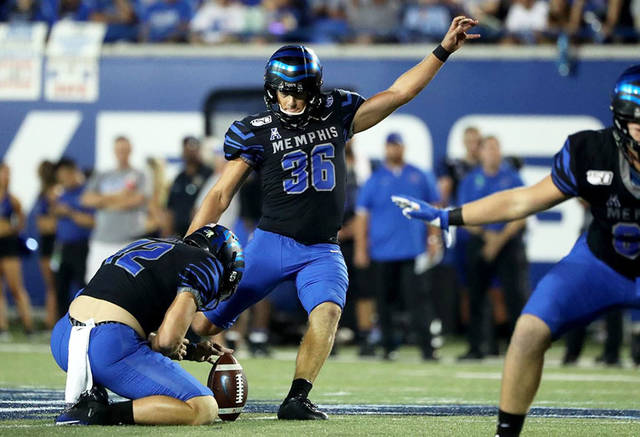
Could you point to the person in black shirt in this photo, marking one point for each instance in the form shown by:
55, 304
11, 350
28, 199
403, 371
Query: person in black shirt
130, 321
299, 146
600, 273
187, 185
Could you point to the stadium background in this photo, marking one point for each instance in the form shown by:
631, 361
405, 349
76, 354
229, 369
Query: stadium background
156, 95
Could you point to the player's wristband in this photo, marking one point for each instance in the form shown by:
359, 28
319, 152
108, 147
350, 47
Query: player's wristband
455, 217
441, 53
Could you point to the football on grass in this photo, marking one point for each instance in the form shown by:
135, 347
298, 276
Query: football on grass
229, 386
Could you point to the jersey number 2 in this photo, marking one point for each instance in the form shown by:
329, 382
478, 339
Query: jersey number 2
143, 249
323, 172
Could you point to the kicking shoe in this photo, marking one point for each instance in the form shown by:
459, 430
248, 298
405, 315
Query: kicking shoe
300, 409
91, 409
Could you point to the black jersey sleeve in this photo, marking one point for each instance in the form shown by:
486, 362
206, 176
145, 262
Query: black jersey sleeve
200, 279
348, 104
241, 142
563, 170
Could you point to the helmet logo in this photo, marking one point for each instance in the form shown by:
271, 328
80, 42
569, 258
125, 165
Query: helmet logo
209, 233
275, 135
636, 113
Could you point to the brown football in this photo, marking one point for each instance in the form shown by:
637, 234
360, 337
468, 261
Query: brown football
229, 385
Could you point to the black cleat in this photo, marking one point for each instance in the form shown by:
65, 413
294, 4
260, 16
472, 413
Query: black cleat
91, 409
300, 409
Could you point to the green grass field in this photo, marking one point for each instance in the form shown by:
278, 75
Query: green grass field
346, 380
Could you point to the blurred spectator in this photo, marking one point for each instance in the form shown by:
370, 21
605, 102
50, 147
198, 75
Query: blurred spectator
452, 171
72, 233
12, 221
218, 21
373, 20
603, 21
526, 21
495, 249
426, 20
187, 186
119, 16
165, 21
21, 11
75, 10
120, 199
46, 223
158, 222
384, 236
329, 21
281, 20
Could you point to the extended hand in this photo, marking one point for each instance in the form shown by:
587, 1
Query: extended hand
416, 208
206, 351
456, 35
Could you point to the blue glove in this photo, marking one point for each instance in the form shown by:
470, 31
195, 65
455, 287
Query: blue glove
416, 208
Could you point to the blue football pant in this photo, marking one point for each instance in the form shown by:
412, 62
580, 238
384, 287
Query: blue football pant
124, 363
579, 289
318, 270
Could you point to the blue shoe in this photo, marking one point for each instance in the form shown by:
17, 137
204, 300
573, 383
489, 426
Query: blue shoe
91, 409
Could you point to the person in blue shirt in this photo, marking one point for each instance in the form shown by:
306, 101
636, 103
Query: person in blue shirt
72, 232
384, 237
166, 21
494, 249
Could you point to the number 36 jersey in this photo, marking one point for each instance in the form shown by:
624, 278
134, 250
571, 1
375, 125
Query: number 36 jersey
303, 171
145, 277
591, 166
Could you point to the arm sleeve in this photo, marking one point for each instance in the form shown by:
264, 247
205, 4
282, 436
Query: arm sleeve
201, 280
240, 142
349, 103
563, 171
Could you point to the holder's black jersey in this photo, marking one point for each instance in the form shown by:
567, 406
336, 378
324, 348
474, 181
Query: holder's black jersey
592, 167
303, 171
145, 277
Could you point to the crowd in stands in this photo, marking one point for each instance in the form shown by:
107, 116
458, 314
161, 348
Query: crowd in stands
338, 21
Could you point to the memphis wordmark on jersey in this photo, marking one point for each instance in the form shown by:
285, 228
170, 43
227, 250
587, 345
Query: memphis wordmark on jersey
303, 170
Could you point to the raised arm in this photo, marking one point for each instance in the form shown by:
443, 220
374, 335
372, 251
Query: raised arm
407, 86
219, 196
503, 206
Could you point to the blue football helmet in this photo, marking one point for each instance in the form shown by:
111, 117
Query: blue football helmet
625, 105
225, 247
293, 69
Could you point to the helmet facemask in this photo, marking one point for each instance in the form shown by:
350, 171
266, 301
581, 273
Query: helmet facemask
293, 70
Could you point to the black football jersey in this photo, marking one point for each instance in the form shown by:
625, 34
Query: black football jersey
592, 167
145, 277
303, 171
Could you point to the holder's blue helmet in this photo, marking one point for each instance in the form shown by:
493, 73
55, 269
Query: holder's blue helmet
625, 105
293, 69
225, 247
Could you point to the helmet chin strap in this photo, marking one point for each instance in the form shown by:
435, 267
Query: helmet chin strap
293, 114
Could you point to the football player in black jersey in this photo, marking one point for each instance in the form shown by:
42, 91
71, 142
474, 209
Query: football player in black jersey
298, 143
601, 271
126, 326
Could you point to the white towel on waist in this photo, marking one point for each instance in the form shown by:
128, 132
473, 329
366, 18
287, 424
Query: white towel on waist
79, 378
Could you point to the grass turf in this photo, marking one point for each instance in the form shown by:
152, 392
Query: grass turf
347, 380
